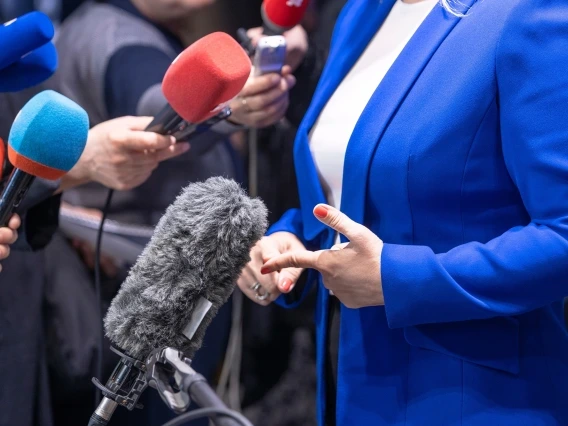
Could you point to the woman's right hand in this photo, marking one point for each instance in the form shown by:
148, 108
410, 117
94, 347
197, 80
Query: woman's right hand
274, 284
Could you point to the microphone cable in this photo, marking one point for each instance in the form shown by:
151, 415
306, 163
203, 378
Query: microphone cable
98, 295
208, 412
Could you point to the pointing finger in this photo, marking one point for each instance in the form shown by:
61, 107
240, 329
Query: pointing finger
340, 222
293, 259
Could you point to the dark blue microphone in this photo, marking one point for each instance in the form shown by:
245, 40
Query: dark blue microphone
29, 71
23, 35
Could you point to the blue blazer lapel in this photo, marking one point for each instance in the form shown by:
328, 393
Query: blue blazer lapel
385, 102
355, 27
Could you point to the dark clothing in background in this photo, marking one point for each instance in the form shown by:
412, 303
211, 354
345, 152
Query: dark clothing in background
24, 388
24, 385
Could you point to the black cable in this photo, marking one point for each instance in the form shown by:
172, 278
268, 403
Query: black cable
98, 295
208, 412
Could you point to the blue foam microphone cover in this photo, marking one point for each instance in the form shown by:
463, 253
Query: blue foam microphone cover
48, 135
23, 35
31, 70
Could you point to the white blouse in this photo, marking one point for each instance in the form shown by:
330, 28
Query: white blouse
331, 132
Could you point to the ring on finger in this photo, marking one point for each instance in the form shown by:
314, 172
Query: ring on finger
259, 296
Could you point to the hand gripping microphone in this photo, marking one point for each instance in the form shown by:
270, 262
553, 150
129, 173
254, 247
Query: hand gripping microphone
183, 276
278, 16
46, 140
205, 76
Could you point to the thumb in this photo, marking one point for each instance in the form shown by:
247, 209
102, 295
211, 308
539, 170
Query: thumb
288, 278
255, 34
340, 222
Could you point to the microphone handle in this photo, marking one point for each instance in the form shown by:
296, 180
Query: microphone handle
103, 413
168, 122
15, 191
270, 31
245, 41
165, 122
202, 394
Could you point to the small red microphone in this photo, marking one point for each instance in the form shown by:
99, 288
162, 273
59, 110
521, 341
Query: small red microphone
281, 15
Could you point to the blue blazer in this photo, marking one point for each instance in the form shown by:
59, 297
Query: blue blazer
459, 163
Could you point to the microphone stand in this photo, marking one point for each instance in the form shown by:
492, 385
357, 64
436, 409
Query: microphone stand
170, 373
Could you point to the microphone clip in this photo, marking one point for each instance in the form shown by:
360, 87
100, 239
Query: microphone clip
126, 383
169, 372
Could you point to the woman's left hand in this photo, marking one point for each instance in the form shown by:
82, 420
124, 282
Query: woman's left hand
352, 273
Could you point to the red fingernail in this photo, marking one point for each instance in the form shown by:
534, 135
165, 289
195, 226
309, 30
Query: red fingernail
320, 211
265, 270
286, 284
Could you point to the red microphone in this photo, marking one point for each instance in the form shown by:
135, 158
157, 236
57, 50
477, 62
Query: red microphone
198, 83
281, 15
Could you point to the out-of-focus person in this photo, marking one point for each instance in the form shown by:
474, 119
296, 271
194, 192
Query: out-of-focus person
113, 57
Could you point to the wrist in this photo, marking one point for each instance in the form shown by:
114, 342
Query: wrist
77, 176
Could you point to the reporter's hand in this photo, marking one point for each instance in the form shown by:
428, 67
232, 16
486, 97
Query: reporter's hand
296, 44
8, 236
352, 271
264, 99
275, 283
120, 155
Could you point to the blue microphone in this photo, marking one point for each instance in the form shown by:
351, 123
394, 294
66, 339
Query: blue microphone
23, 35
29, 71
46, 140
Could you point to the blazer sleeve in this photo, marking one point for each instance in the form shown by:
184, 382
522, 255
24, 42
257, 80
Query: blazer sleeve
291, 221
524, 268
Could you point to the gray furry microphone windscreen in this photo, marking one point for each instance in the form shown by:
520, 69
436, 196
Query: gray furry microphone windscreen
188, 270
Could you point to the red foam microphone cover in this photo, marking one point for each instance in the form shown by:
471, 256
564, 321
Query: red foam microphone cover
283, 14
210, 72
